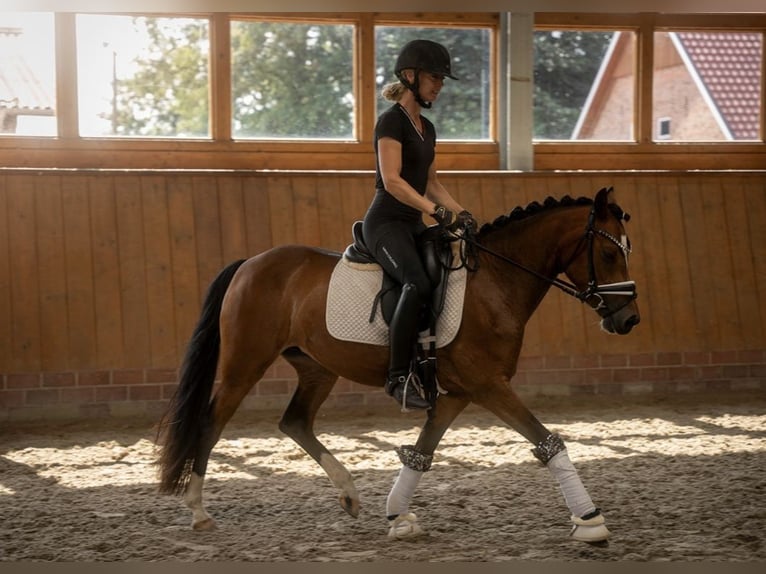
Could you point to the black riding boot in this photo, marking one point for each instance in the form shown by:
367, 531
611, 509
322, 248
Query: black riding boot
402, 334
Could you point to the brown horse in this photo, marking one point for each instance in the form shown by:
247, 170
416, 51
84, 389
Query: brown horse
274, 304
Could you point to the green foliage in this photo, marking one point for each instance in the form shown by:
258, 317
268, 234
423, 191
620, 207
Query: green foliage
292, 80
168, 95
296, 80
462, 110
565, 66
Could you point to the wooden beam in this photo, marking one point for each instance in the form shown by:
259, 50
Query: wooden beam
220, 77
67, 115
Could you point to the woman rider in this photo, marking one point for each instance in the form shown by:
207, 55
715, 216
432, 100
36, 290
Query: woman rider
406, 187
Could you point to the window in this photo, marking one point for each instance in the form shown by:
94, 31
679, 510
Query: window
27, 75
663, 128
302, 90
672, 91
143, 76
463, 111
584, 85
710, 83
292, 80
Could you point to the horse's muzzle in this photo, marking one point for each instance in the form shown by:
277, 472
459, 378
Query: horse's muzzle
616, 324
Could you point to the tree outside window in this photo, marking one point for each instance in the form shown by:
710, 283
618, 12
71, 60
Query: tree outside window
292, 80
463, 111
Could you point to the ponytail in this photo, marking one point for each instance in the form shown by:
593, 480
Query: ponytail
394, 91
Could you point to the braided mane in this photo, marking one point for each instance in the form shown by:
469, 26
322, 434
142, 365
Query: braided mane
550, 203
533, 208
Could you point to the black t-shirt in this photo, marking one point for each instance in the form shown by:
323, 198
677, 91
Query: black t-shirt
417, 156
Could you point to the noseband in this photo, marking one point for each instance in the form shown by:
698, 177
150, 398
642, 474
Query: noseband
594, 293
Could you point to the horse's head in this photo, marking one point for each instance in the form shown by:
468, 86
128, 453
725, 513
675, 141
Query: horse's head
599, 266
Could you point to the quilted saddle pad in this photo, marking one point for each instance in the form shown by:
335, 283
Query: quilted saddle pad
350, 297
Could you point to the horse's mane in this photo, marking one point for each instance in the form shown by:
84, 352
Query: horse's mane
550, 203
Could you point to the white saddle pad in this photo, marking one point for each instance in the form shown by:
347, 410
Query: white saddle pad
350, 295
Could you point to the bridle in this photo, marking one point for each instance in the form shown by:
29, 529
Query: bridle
593, 294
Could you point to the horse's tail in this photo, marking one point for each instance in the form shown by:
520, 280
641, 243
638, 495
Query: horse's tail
181, 427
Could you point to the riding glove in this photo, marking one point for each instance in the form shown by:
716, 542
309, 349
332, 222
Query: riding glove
443, 216
466, 221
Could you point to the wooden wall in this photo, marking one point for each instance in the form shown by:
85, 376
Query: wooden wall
102, 274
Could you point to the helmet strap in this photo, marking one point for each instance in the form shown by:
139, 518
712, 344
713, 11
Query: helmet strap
414, 87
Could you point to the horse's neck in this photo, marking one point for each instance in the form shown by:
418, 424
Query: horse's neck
535, 245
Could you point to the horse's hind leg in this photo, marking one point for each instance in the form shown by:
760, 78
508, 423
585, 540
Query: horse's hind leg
314, 385
231, 391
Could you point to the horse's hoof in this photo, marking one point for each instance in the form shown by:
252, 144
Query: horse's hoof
405, 526
204, 525
592, 531
350, 505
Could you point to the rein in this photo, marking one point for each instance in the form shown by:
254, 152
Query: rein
592, 291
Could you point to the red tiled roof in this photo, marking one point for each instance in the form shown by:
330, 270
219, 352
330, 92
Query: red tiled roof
20, 86
729, 66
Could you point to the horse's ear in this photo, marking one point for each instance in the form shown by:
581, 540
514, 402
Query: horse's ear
602, 201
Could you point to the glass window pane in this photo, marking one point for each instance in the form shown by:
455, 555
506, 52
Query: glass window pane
707, 86
463, 110
292, 80
27, 74
583, 85
143, 76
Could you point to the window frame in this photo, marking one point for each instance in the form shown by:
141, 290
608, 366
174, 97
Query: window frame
220, 151
70, 150
643, 152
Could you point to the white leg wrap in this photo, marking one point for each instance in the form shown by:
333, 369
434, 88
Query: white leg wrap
398, 501
574, 492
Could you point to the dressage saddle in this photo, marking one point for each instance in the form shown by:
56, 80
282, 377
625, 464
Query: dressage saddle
435, 252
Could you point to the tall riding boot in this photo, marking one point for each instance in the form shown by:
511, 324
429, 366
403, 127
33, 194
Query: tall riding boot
402, 333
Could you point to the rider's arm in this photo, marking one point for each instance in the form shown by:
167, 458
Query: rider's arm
436, 192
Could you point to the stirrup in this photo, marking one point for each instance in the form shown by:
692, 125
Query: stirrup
406, 390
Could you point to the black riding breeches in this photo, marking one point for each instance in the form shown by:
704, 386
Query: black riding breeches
393, 244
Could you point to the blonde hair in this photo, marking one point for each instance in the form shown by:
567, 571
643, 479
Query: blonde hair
394, 91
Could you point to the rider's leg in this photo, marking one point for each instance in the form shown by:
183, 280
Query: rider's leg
402, 333
396, 251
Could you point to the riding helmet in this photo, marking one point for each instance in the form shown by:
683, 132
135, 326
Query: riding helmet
424, 55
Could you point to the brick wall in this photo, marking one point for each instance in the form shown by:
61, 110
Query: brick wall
144, 392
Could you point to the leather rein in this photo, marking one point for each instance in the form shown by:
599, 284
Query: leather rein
593, 292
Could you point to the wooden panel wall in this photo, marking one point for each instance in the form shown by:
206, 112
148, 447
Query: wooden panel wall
105, 270
108, 269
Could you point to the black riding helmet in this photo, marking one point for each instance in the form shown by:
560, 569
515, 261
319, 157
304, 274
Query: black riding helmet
425, 55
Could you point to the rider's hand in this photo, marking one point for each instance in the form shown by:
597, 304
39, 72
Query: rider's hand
443, 216
466, 221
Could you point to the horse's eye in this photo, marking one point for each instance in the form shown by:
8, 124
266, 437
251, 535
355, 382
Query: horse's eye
609, 257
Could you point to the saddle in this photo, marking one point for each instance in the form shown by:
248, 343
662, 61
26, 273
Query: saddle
435, 253
435, 249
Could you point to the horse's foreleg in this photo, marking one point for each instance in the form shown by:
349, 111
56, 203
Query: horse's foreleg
314, 385
416, 461
549, 449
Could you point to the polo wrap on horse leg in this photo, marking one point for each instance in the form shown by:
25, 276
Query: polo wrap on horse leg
587, 519
403, 524
413, 459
